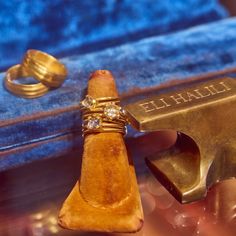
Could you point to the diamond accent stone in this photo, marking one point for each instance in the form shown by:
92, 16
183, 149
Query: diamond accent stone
112, 111
123, 111
88, 102
94, 123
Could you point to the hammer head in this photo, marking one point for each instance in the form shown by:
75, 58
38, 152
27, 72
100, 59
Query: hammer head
204, 116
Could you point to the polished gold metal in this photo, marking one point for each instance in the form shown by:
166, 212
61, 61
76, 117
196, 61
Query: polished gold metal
106, 130
102, 125
45, 68
105, 115
23, 90
204, 114
107, 99
90, 103
102, 115
120, 120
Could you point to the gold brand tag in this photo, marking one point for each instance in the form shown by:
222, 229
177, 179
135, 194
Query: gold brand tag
204, 114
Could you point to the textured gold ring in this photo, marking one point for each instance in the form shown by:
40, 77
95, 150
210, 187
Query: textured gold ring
23, 90
45, 68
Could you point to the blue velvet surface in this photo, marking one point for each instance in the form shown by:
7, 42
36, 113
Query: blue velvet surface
47, 126
77, 26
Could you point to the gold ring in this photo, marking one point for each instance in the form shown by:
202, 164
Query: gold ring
119, 119
102, 115
97, 125
23, 90
106, 130
102, 124
45, 68
89, 102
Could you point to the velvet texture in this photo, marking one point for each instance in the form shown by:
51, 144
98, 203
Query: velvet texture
49, 126
111, 201
70, 27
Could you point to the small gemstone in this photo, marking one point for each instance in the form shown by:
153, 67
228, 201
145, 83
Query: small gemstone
88, 102
112, 111
123, 111
94, 123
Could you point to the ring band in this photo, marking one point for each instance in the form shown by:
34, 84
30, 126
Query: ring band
102, 127
121, 120
105, 119
23, 90
89, 103
104, 130
102, 115
45, 68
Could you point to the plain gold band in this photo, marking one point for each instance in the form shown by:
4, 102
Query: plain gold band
23, 90
106, 130
99, 103
45, 68
107, 99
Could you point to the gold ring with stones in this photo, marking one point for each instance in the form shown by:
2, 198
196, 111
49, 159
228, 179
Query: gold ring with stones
93, 125
109, 106
99, 122
45, 68
120, 119
103, 115
89, 102
23, 90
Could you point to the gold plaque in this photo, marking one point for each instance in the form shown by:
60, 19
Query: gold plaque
204, 115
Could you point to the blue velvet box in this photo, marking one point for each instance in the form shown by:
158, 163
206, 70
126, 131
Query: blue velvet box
77, 26
51, 126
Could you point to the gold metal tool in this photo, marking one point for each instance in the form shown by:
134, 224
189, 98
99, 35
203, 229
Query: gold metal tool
204, 114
